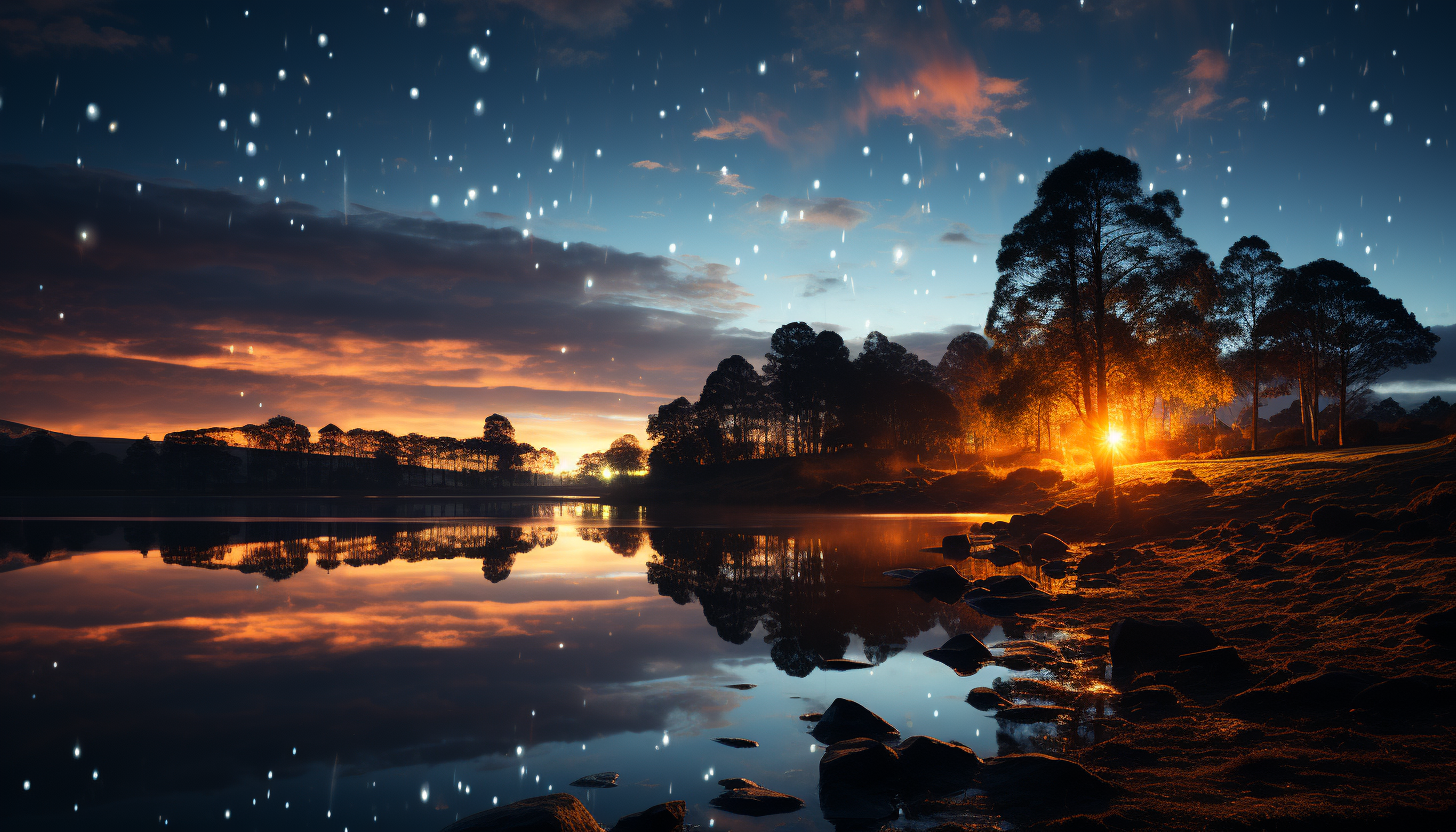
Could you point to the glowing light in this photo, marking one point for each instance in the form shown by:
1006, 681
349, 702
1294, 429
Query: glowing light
816, 184
1321, 109
1374, 106
672, 248
93, 112
414, 92
1114, 437
1223, 202
479, 59
1301, 60
470, 193
222, 124
866, 150
434, 200
283, 75
599, 153
323, 40
833, 254
262, 183
556, 153
222, 90
983, 176
1389, 119
1021, 178
755, 249
425, 789
251, 149
480, 106
762, 67
905, 179
420, 20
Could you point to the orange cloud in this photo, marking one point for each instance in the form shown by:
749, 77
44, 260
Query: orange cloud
950, 91
744, 126
651, 165
1197, 95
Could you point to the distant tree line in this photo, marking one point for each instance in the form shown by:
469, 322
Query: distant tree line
1108, 328
624, 456
280, 453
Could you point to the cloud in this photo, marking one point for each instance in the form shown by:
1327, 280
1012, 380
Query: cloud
1424, 380
949, 91
387, 321
744, 126
651, 165
963, 234
931, 345
1024, 20
591, 18
732, 183
1196, 95
818, 285
831, 211
36, 35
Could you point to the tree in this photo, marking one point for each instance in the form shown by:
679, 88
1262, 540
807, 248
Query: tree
1387, 410
625, 455
330, 438
1082, 267
1435, 409
734, 397
592, 465
1248, 276
281, 433
806, 373
967, 373
500, 440
1370, 334
677, 430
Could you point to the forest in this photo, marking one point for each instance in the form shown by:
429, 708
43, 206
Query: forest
1110, 335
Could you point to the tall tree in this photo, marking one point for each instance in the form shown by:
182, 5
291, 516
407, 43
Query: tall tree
500, 440
1248, 277
806, 373
967, 372
1369, 333
626, 455
677, 430
1076, 271
734, 396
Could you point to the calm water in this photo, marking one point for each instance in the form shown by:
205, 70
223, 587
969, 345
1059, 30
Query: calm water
221, 671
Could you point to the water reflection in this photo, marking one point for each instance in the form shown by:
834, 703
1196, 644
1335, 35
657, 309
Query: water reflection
190, 657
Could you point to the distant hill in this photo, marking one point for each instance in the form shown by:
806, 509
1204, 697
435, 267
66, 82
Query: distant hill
114, 445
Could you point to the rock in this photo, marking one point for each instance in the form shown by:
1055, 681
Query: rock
1162, 524
1126, 527
1413, 530
811, 717
1439, 627
559, 812
1011, 605
963, 653
664, 817
1150, 641
955, 544
1054, 568
1404, 698
942, 582
756, 801
846, 720
1331, 690
1221, 659
1001, 555
604, 780
904, 574
1332, 519
843, 664
741, 686
985, 699
857, 779
1048, 546
1129, 555
930, 766
1016, 778
1096, 563
1027, 714
735, 742
1150, 698
1004, 585
737, 783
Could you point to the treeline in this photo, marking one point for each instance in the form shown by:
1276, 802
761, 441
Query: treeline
1109, 329
280, 453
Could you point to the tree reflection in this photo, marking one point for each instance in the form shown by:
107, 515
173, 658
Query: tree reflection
809, 594
624, 540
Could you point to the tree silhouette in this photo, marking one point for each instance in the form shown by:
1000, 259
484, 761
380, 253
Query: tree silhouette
1248, 277
625, 455
734, 396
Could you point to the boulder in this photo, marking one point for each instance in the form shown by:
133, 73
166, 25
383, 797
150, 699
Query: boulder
1006, 606
1028, 714
942, 582
737, 783
846, 720
1018, 778
664, 817
858, 779
603, 780
1048, 546
1000, 555
559, 812
985, 699
1054, 568
1003, 585
735, 742
843, 664
1439, 627
955, 544
1096, 563
811, 717
930, 766
756, 801
1150, 641
963, 653
1219, 659
1328, 691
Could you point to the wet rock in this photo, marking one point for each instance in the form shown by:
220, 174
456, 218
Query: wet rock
756, 801
1096, 563
1150, 641
741, 686
558, 812
930, 766
811, 717
1048, 546
664, 817
963, 653
904, 574
1054, 568
1018, 778
846, 720
1001, 555
1162, 524
1128, 555
1150, 698
735, 742
1027, 714
943, 582
1022, 603
737, 783
843, 664
985, 699
1126, 527
1220, 659
1003, 585
604, 780
1416, 696
1439, 627
955, 544
857, 779
1331, 690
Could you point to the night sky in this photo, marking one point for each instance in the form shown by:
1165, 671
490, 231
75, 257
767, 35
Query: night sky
410, 216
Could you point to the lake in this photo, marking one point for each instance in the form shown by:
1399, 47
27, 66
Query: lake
396, 665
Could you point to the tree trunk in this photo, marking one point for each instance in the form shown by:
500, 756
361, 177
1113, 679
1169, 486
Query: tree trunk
1254, 420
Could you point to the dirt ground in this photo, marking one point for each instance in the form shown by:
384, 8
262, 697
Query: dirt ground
1316, 611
